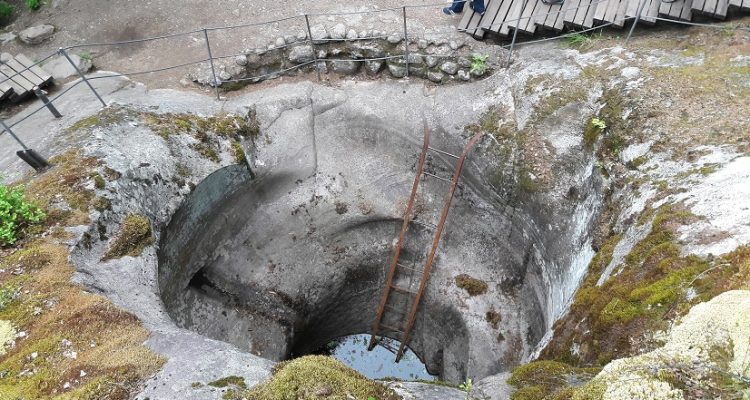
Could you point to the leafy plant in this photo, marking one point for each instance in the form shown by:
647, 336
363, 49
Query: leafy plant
33, 4
599, 123
15, 214
86, 56
6, 10
479, 64
467, 385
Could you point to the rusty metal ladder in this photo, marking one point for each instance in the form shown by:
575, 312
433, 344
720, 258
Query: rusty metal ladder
413, 297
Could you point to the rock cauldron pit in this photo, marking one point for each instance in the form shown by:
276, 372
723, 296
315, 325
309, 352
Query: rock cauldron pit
281, 260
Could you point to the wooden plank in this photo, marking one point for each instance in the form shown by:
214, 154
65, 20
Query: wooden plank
541, 12
5, 90
559, 24
25, 72
547, 18
651, 11
503, 10
721, 8
474, 26
588, 20
619, 20
19, 90
698, 5
527, 24
581, 13
664, 8
687, 10
571, 9
37, 70
601, 10
19, 80
465, 21
735, 3
709, 7
611, 12
515, 11
491, 14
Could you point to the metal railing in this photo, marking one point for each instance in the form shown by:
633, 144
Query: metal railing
304, 20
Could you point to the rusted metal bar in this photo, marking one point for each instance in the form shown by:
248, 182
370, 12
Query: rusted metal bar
435, 242
401, 237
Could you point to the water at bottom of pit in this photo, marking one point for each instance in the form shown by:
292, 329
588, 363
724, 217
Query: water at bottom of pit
378, 363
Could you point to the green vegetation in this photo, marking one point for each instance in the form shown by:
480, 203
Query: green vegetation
56, 315
238, 153
548, 380
6, 10
582, 42
473, 286
16, 213
232, 380
479, 64
313, 377
467, 385
135, 235
33, 4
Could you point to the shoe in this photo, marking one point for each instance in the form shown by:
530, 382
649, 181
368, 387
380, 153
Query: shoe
471, 4
448, 11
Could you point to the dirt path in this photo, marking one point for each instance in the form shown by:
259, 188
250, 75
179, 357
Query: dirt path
95, 21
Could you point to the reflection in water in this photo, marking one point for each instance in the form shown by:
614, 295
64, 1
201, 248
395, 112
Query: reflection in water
378, 363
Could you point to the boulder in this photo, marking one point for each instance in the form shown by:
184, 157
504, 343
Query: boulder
345, 67
60, 68
301, 54
351, 34
395, 38
319, 34
373, 67
463, 75
7, 37
431, 61
338, 32
435, 76
280, 42
422, 44
449, 67
5, 57
36, 34
464, 62
397, 68
240, 60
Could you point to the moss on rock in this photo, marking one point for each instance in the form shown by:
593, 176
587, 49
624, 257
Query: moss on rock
313, 377
135, 235
471, 285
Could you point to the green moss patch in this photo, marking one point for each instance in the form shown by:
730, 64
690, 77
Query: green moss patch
314, 377
232, 380
473, 286
548, 380
135, 235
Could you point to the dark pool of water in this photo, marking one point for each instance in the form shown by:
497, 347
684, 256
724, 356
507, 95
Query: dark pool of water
378, 363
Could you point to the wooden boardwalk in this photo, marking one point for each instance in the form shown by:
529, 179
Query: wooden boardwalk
19, 76
526, 16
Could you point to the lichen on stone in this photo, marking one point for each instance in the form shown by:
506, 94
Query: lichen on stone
471, 285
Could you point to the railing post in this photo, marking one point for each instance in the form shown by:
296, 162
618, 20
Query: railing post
312, 46
637, 18
42, 95
515, 33
82, 76
406, 43
28, 155
211, 61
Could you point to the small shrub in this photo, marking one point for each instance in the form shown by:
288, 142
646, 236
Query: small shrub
471, 285
479, 64
6, 10
33, 4
134, 236
15, 214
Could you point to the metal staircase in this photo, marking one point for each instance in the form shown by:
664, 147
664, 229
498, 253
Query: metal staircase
399, 304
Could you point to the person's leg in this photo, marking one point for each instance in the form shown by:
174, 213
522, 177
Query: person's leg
457, 6
478, 6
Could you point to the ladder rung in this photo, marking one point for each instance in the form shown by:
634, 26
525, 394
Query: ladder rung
442, 152
390, 328
400, 312
425, 224
408, 267
436, 177
400, 289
